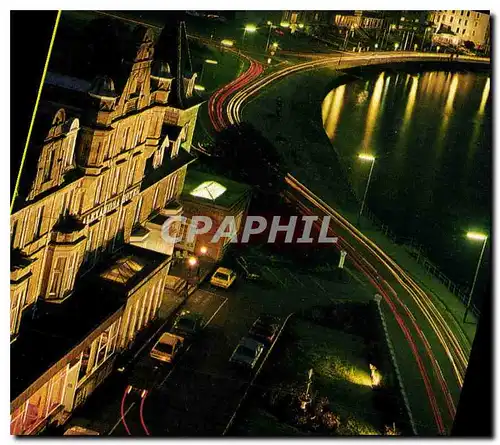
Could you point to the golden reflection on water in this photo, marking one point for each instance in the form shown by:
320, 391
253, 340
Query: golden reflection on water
484, 97
386, 88
440, 94
410, 105
373, 112
331, 110
478, 121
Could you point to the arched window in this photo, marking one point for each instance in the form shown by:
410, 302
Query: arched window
70, 143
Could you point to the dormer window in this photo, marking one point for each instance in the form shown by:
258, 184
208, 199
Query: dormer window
49, 165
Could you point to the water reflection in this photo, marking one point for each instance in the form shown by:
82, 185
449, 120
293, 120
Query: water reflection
373, 112
331, 110
433, 143
478, 123
409, 105
484, 97
447, 114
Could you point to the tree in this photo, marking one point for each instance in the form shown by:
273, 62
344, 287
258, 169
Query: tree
246, 155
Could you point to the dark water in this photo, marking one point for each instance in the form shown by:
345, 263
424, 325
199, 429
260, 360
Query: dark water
431, 135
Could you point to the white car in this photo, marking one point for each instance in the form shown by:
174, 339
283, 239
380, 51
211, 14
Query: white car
167, 347
247, 353
223, 277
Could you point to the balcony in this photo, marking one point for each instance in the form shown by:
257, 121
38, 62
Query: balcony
68, 230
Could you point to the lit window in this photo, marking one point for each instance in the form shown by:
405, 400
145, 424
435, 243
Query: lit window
116, 182
39, 222
209, 190
55, 288
138, 211
155, 199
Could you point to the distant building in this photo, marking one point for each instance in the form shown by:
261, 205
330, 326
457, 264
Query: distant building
359, 19
458, 26
107, 159
308, 19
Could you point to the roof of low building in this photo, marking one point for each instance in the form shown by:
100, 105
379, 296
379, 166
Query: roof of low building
57, 328
233, 192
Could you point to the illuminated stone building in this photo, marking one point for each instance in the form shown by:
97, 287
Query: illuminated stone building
107, 158
455, 27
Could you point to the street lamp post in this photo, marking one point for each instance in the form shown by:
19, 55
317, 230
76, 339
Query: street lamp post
270, 24
477, 237
370, 158
248, 28
427, 29
345, 40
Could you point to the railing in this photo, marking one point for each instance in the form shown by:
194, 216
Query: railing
417, 251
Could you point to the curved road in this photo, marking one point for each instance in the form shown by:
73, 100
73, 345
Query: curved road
414, 311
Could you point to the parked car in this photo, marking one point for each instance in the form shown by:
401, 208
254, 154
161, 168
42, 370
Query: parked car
167, 347
247, 353
265, 328
223, 278
187, 324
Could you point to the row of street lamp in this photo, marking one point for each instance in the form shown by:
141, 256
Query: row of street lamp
474, 236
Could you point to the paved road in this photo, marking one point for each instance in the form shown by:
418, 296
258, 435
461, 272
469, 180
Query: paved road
198, 394
436, 352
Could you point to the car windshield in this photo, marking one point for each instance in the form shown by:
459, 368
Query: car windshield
164, 347
262, 329
221, 276
243, 350
185, 323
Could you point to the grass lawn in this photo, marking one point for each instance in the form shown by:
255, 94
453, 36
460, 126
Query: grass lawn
340, 373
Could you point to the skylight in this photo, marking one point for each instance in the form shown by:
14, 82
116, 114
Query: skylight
209, 190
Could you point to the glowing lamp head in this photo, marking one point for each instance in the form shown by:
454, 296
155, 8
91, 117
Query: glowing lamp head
477, 236
227, 42
192, 261
211, 62
366, 157
199, 88
284, 24
275, 45
250, 28
301, 25
203, 250
376, 45
269, 23
396, 45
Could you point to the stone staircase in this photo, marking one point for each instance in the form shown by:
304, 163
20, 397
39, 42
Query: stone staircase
175, 284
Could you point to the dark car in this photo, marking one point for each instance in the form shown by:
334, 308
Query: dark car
265, 328
247, 353
188, 324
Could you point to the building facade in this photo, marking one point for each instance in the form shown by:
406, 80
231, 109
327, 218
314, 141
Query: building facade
359, 19
108, 161
473, 26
